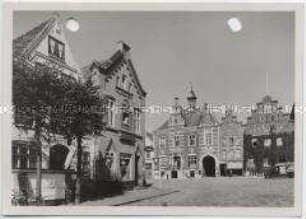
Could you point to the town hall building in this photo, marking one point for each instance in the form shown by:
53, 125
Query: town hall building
187, 144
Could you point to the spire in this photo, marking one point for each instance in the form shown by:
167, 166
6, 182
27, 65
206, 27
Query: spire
292, 113
191, 95
192, 99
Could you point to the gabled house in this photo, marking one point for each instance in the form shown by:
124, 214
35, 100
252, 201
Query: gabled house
45, 44
122, 142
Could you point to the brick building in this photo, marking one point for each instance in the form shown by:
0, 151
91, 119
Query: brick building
269, 136
121, 145
231, 145
187, 144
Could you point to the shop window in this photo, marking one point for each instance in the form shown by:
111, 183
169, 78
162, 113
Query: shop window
125, 166
56, 48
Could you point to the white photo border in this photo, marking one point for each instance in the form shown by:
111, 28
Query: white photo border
6, 97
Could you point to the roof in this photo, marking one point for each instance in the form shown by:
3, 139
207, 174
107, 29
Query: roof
106, 66
192, 119
24, 44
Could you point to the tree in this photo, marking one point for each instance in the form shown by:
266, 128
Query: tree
35, 90
78, 115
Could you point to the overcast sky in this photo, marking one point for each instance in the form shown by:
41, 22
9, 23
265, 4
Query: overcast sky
172, 49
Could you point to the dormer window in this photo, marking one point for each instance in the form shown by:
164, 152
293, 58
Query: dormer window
56, 48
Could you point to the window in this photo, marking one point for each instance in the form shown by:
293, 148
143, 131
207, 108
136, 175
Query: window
117, 81
124, 82
231, 141
192, 173
148, 155
176, 140
95, 79
237, 154
156, 163
176, 165
192, 140
56, 48
126, 113
279, 142
208, 138
223, 155
192, 161
265, 162
162, 141
24, 156
86, 164
111, 112
137, 120
163, 162
267, 142
201, 139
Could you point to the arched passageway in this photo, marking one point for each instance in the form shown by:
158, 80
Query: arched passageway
209, 166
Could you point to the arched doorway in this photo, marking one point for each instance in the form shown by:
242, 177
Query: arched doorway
209, 166
58, 154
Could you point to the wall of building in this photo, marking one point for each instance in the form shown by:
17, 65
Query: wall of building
119, 140
231, 146
200, 150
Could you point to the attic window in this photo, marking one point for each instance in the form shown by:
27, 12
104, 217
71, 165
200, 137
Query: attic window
56, 48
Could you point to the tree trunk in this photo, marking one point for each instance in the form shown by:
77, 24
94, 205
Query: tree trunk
39, 165
79, 171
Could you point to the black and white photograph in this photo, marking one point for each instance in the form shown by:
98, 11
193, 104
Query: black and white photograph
154, 108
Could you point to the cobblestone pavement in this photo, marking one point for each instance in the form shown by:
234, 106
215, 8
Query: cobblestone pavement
248, 192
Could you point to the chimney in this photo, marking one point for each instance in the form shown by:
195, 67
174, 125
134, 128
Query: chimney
122, 46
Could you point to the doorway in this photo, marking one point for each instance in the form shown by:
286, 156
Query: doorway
209, 166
